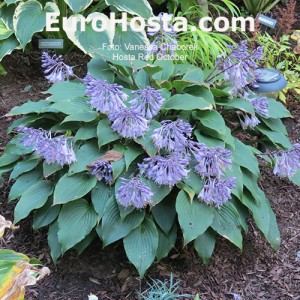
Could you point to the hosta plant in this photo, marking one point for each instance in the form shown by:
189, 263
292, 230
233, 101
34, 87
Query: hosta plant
147, 152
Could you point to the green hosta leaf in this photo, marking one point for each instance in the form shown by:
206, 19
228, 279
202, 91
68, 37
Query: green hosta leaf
101, 194
131, 153
146, 141
277, 110
201, 91
226, 223
205, 244
82, 245
80, 217
207, 140
85, 155
165, 242
7, 159
164, 214
186, 102
195, 76
90, 40
238, 103
29, 18
70, 188
73, 106
275, 125
101, 69
141, 246
55, 248
194, 181
213, 120
45, 215
78, 5
8, 45
65, 90
105, 134
194, 217
245, 157
31, 107
11, 1
167, 69
113, 227
34, 197
141, 8
48, 170
129, 38
5, 32
86, 132
276, 138
23, 183
264, 217
160, 192
118, 167
86, 116
22, 167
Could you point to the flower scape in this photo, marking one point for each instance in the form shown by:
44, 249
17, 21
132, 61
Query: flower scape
131, 152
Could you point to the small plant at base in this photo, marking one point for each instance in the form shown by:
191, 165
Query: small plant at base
163, 290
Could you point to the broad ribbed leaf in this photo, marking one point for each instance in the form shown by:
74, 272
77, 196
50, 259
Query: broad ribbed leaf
164, 214
141, 246
141, 8
90, 40
78, 5
29, 18
194, 217
35, 197
205, 244
5, 32
76, 220
66, 90
113, 227
277, 110
186, 102
86, 132
131, 153
23, 183
105, 133
31, 107
85, 155
277, 138
55, 247
226, 223
100, 196
8, 45
213, 120
73, 187
166, 242
45, 215
245, 157
22, 167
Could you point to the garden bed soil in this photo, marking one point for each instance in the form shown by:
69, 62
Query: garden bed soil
256, 273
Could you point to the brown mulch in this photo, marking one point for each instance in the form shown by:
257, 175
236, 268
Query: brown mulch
256, 273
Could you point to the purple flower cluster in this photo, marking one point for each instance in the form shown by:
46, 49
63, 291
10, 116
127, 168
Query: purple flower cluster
134, 192
217, 191
102, 170
128, 124
109, 98
54, 150
167, 170
172, 136
247, 120
165, 42
148, 102
287, 162
211, 162
239, 65
105, 97
55, 69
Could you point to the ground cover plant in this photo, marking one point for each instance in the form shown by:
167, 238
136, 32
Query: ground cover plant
135, 149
